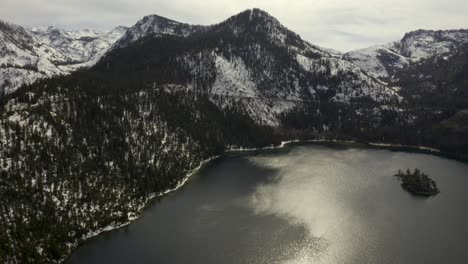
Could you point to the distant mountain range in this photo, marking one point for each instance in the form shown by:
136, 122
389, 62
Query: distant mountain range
28, 54
386, 61
427, 65
92, 124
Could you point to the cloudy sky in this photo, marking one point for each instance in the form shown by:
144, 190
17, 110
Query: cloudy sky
338, 24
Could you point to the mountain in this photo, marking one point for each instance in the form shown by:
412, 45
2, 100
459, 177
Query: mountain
154, 25
30, 54
249, 60
423, 64
431, 70
81, 153
386, 61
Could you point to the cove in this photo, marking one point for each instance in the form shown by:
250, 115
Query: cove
315, 203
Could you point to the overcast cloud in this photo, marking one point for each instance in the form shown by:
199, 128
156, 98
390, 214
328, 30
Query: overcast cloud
338, 24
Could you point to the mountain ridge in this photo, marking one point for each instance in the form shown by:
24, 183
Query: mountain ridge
250, 55
29, 54
383, 60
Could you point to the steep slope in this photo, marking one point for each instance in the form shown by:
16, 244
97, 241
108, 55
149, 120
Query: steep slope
250, 60
83, 155
30, 54
387, 61
157, 26
83, 48
431, 68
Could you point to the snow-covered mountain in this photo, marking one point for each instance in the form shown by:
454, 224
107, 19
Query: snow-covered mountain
28, 54
386, 61
250, 59
91, 148
429, 67
154, 25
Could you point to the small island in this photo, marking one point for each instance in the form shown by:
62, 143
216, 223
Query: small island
417, 183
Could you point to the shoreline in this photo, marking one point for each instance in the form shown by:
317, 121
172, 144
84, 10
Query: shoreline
73, 246
385, 145
373, 144
181, 183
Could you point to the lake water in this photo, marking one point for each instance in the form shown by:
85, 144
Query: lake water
301, 204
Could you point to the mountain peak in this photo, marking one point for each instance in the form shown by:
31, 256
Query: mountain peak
156, 25
454, 33
4, 26
153, 18
386, 61
31, 53
257, 12
256, 22
9, 28
15, 34
254, 15
119, 29
422, 44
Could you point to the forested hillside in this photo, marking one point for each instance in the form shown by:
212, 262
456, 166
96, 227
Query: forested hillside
249, 59
431, 70
79, 154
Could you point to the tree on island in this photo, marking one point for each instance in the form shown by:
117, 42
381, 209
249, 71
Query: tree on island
417, 182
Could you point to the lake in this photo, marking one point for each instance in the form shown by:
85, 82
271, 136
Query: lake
328, 203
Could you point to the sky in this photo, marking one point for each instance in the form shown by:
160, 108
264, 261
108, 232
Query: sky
339, 24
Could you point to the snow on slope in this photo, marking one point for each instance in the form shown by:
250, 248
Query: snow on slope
158, 26
30, 54
154, 25
369, 60
234, 86
383, 61
423, 44
82, 47
260, 65
233, 79
358, 82
264, 111
267, 85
